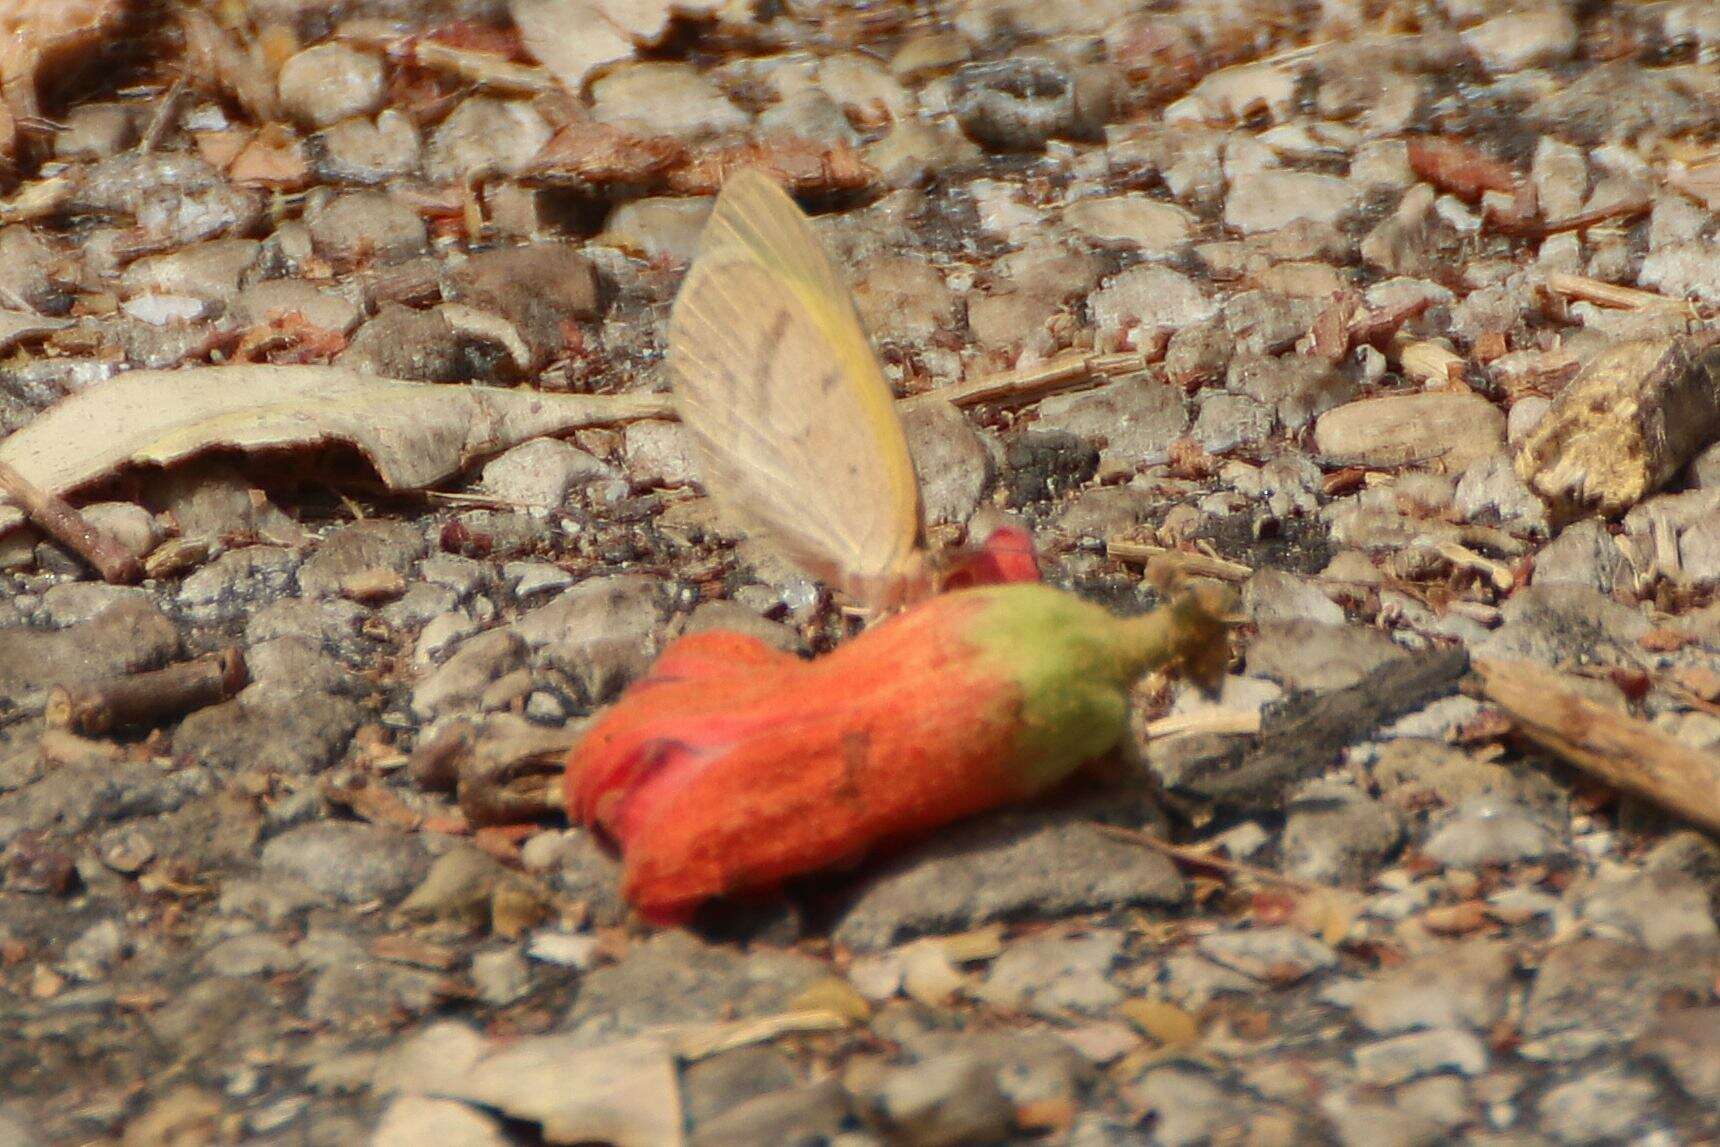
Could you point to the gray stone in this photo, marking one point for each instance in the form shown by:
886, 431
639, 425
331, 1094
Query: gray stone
1187, 1106
129, 636
811, 1114
944, 1102
1296, 388
809, 114
1278, 595
501, 977
250, 954
1134, 421
1151, 298
731, 1078
1311, 655
1338, 835
366, 226
1491, 492
1611, 1105
902, 299
1486, 831
79, 602
1002, 868
675, 978
602, 632
542, 473
330, 82
423, 346
1657, 909
1583, 554
209, 271
951, 461
1227, 421
351, 862
1358, 1120
670, 98
1279, 955
659, 453
539, 287
1273, 198
1686, 1042
331, 625
486, 134
1406, 1057
1052, 975
1562, 624
1458, 985
1596, 993
1018, 104
362, 150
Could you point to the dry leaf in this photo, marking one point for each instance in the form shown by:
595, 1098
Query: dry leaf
212, 53
608, 32
49, 36
1458, 167
414, 434
544, 25
622, 1093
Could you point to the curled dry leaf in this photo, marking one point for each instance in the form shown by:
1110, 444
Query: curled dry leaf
608, 32
588, 155
43, 36
414, 434
213, 54
1459, 167
800, 166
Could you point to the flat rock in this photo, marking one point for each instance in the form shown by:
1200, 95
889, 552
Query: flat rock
1004, 868
1313, 655
348, 862
1454, 429
1133, 421
1462, 985
1152, 298
129, 636
676, 978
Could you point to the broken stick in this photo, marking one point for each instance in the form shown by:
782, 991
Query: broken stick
1627, 753
145, 698
71, 529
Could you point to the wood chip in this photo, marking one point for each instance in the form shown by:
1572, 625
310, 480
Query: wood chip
1625, 752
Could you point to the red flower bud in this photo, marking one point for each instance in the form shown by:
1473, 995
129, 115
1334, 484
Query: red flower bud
733, 766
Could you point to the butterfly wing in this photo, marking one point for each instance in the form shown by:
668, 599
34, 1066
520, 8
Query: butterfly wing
792, 420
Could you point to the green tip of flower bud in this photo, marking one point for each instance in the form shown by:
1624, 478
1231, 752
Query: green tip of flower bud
1074, 663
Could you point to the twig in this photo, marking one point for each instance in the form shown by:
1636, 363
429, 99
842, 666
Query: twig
1465, 558
1200, 565
1611, 294
1062, 373
163, 117
1219, 722
70, 528
484, 69
1194, 856
1621, 750
145, 698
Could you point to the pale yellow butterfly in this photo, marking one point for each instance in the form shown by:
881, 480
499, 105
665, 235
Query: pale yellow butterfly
793, 423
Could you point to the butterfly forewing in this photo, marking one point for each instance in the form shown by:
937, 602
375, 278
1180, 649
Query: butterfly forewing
791, 417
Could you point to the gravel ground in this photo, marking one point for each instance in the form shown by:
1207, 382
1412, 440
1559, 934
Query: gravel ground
1352, 251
